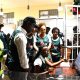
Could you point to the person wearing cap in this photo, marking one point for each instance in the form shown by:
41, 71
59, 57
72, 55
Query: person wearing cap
17, 61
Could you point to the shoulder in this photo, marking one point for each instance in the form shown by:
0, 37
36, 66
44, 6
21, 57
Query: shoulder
1, 32
57, 39
20, 37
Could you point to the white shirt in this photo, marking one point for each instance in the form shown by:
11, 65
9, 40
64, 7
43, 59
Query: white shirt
61, 42
20, 41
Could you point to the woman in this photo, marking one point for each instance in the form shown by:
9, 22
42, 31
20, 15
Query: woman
56, 45
42, 44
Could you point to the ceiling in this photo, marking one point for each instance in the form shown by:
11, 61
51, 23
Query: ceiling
21, 3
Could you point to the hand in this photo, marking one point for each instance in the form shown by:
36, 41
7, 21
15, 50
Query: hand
51, 70
62, 60
41, 44
31, 46
52, 46
45, 48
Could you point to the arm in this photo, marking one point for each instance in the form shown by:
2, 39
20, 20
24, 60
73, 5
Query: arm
53, 64
35, 47
34, 44
61, 49
20, 42
49, 45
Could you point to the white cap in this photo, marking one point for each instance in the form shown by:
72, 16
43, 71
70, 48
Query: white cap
38, 62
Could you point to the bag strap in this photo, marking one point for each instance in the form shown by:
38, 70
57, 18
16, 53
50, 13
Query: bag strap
16, 32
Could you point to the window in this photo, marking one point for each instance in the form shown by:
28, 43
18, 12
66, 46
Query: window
48, 13
72, 32
9, 17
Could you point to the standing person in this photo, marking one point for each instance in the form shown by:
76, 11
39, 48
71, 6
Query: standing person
56, 45
3, 43
3, 37
17, 61
2, 34
42, 44
47, 30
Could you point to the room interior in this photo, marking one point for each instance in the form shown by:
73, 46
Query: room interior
63, 18
20, 7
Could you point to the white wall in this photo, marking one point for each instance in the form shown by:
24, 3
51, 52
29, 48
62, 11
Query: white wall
53, 22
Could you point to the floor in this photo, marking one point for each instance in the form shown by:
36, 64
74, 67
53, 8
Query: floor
63, 71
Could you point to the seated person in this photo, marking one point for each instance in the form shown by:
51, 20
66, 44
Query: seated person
44, 62
56, 45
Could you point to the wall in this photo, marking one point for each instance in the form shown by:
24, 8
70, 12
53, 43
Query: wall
21, 12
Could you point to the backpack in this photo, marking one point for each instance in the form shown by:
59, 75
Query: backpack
12, 61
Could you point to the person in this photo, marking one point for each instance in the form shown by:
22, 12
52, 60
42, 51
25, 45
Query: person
76, 41
17, 60
47, 30
42, 44
2, 34
30, 49
56, 45
3, 44
3, 37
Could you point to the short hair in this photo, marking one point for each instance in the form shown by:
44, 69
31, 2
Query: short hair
1, 25
55, 28
41, 24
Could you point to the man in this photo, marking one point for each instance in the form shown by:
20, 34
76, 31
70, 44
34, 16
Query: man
17, 60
